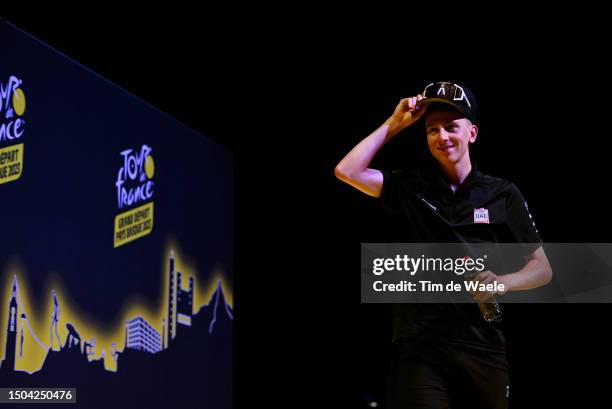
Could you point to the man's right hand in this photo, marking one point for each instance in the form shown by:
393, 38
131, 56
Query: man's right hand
405, 114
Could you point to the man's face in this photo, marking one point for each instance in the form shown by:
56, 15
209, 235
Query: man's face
449, 135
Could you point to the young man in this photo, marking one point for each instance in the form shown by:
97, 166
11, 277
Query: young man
447, 355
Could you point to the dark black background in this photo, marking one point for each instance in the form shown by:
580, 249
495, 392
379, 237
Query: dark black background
290, 99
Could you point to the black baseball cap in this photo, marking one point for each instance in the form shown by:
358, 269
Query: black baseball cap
450, 93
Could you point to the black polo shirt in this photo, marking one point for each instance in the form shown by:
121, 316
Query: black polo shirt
431, 212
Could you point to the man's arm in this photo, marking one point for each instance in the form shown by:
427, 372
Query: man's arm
353, 168
537, 272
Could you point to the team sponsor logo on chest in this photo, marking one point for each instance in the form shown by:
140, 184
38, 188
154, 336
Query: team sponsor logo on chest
481, 215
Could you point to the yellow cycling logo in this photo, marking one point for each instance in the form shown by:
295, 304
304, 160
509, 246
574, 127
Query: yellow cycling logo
12, 108
134, 185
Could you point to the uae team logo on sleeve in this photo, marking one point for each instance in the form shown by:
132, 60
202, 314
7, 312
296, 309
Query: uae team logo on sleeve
481, 215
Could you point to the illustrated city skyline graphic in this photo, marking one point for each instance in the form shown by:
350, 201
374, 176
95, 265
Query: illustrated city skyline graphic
140, 336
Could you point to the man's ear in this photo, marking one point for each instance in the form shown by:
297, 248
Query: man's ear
473, 133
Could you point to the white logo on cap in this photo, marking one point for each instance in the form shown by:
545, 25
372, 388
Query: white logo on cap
462, 96
459, 94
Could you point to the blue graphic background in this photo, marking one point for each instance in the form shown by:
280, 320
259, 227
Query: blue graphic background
59, 217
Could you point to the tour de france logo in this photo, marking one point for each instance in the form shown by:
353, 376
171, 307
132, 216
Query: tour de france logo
12, 127
135, 186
